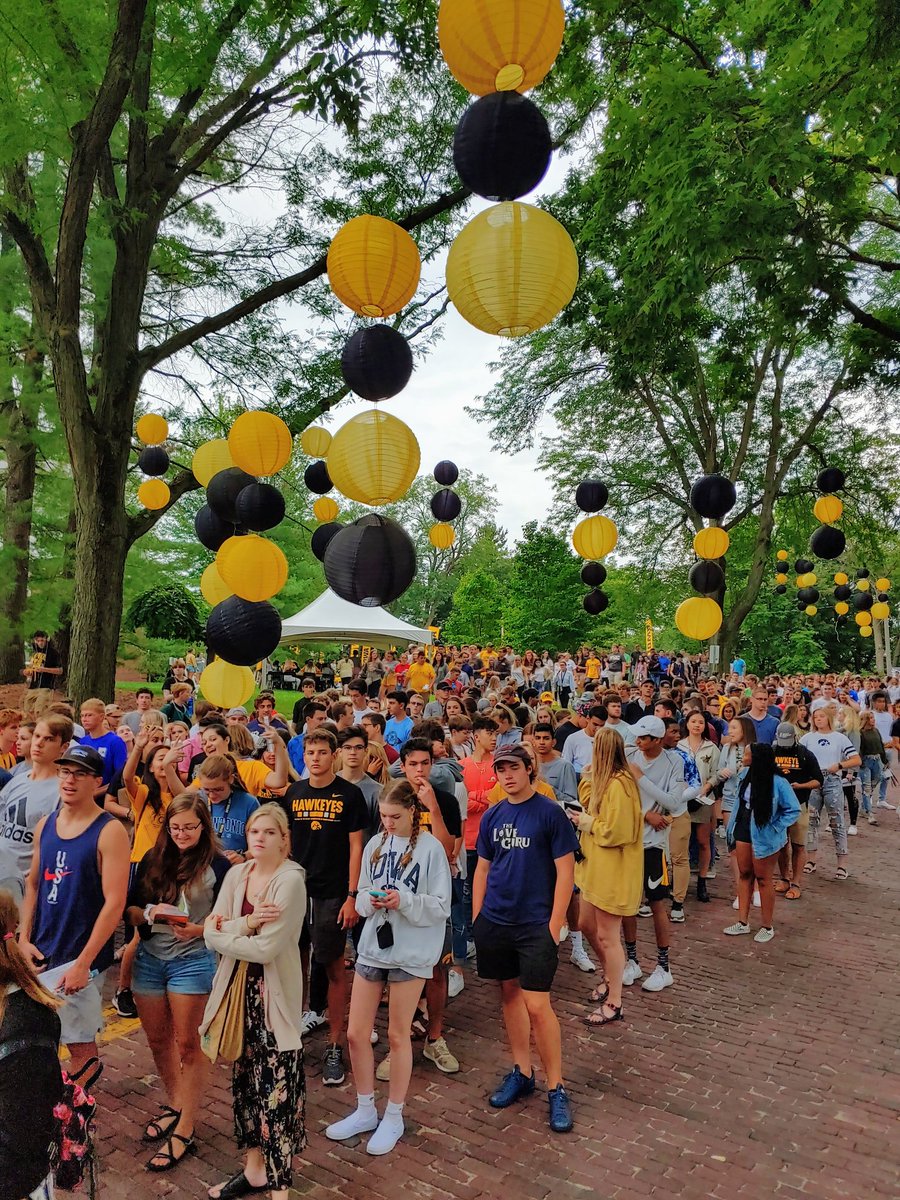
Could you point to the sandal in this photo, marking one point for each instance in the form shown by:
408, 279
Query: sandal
600, 1016
793, 892
239, 1185
167, 1153
841, 873
599, 994
809, 869
156, 1123
782, 887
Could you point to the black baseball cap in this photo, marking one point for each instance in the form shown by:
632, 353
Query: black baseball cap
83, 756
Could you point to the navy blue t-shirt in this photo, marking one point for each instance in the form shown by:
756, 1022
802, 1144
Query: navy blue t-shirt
765, 728
229, 818
521, 842
111, 749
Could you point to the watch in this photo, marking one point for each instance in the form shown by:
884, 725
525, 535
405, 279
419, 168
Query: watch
352, 895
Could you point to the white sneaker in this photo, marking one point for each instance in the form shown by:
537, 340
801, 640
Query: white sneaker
764, 935
645, 911
734, 903
374, 1037
658, 980
581, 960
720, 832
386, 1136
871, 819
360, 1121
851, 831
711, 873
756, 900
884, 804
632, 972
310, 1021
455, 983
676, 914
470, 949
736, 929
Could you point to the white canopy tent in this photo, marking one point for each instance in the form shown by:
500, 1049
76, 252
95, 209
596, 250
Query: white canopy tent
331, 619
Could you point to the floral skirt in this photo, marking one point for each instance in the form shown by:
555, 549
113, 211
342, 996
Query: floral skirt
269, 1088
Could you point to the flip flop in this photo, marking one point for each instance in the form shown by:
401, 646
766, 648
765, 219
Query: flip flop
793, 892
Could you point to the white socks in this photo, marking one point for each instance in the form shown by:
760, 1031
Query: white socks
577, 941
389, 1132
363, 1120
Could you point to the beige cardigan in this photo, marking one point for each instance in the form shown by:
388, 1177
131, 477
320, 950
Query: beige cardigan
276, 945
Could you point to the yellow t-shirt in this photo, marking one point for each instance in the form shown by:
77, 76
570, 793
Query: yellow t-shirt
420, 677
147, 823
592, 668
496, 794
8, 760
251, 772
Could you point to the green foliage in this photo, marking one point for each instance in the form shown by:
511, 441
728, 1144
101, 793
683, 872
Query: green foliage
150, 655
543, 606
477, 613
166, 612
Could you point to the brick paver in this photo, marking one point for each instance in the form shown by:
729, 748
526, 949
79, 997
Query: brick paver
766, 1071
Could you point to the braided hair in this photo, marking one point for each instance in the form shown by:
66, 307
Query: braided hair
403, 794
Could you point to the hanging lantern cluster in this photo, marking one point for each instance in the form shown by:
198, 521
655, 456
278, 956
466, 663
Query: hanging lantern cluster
594, 537
445, 506
513, 267
700, 617
153, 460
827, 541
781, 569
807, 593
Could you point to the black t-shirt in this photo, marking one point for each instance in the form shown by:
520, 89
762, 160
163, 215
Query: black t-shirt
635, 709
449, 807
322, 820
895, 729
798, 765
563, 731
40, 659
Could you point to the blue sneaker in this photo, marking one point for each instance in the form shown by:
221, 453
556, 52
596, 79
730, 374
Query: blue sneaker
515, 1086
560, 1110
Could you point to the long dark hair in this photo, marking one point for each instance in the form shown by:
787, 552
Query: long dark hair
169, 871
760, 778
154, 791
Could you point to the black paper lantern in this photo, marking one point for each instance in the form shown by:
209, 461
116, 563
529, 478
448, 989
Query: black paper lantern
211, 530
593, 574
843, 591
801, 604
243, 632
841, 620
153, 460
808, 595
863, 601
803, 566
781, 589
713, 496
863, 573
828, 542
446, 473
706, 577
830, 480
223, 490
259, 506
322, 536
883, 597
591, 495
595, 602
371, 562
377, 362
502, 146
317, 479
446, 505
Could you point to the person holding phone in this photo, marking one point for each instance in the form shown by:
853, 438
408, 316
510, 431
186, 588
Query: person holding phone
405, 893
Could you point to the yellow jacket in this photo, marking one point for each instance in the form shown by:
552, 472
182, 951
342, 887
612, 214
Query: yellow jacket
611, 876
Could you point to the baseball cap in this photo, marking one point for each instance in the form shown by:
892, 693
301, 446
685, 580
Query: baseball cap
83, 756
239, 711
649, 727
546, 697
785, 734
443, 686
513, 753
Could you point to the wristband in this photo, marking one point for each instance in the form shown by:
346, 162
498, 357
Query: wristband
147, 920
351, 895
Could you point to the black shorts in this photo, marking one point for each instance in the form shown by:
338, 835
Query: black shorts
527, 953
657, 884
322, 932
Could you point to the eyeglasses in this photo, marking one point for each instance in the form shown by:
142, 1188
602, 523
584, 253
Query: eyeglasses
64, 773
176, 829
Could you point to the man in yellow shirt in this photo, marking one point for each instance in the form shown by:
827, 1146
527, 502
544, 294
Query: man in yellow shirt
420, 676
592, 666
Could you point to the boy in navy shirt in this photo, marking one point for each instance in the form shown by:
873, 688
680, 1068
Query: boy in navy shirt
109, 746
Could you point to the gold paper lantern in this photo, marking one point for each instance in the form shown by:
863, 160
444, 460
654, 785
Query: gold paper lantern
782, 555
810, 610
880, 610
326, 509
828, 509
442, 536
863, 618
711, 542
225, 685
153, 493
863, 585
211, 458
841, 578
260, 443
373, 458
882, 585
698, 618
315, 441
213, 587
781, 580
865, 631
501, 46
594, 537
152, 429
810, 579
373, 266
842, 608
512, 269
253, 567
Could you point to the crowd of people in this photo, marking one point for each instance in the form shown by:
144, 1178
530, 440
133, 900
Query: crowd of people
423, 818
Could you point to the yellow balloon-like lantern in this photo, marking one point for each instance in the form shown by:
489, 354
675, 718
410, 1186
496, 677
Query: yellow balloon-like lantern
782, 555
501, 46
253, 567
154, 493
882, 585
373, 266
595, 537
211, 458
326, 509
842, 608
828, 509
152, 429
373, 458
866, 631
841, 577
260, 443
442, 536
810, 610
810, 579
512, 269
213, 587
863, 585
315, 441
781, 580
711, 542
863, 618
226, 685
698, 618
880, 610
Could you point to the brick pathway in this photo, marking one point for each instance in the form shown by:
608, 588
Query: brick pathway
766, 1071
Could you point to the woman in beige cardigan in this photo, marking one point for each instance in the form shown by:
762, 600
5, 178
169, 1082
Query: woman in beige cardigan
257, 919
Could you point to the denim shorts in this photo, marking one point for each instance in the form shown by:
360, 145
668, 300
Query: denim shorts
385, 974
82, 1014
187, 975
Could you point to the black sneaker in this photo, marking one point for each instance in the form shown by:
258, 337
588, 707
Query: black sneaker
123, 1003
333, 1067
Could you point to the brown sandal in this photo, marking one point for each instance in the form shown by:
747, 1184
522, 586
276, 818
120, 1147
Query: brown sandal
782, 887
600, 1017
793, 892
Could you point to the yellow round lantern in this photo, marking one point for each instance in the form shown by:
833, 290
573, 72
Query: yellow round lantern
863, 585
441, 536
253, 567
880, 610
512, 269
863, 618
211, 458
213, 587
781, 580
152, 429
841, 578
153, 493
315, 441
698, 618
882, 585
810, 579
595, 537
842, 608
501, 46
711, 542
373, 458
373, 266
225, 685
326, 509
828, 509
866, 631
782, 555
260, 443
810, 610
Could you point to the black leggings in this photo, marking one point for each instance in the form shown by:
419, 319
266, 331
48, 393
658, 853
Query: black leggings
852, 802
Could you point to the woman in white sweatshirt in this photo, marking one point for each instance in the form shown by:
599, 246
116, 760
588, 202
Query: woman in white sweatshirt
404, 894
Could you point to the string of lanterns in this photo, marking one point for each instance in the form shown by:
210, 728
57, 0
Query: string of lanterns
700, 617
153, 460
445, 506
828, 542
593, 538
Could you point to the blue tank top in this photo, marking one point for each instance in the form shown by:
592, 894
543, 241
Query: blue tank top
70, 894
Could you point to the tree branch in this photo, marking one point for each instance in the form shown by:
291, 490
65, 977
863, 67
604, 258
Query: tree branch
142, 522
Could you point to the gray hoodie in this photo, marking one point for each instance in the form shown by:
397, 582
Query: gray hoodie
662, 789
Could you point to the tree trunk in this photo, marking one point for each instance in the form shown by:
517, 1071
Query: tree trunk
21, 471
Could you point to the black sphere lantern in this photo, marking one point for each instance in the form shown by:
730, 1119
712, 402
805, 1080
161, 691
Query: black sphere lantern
706, 577
828, 542
863, 573
843, 592
803, 566
210, 529
259, 506
863, 601
153, 460
502, 146
595, 602
243, 632
781, 589
322, 536
591, 495
317, 479
830, 480
223, 490
371, 562
446, 473
808, 595
377, 362
713, 496
446, 505
593, 574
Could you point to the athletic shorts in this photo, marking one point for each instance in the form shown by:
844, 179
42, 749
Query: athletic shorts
797, 832
82, 1014
322, 932
184, 975
657, 884
527, 953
